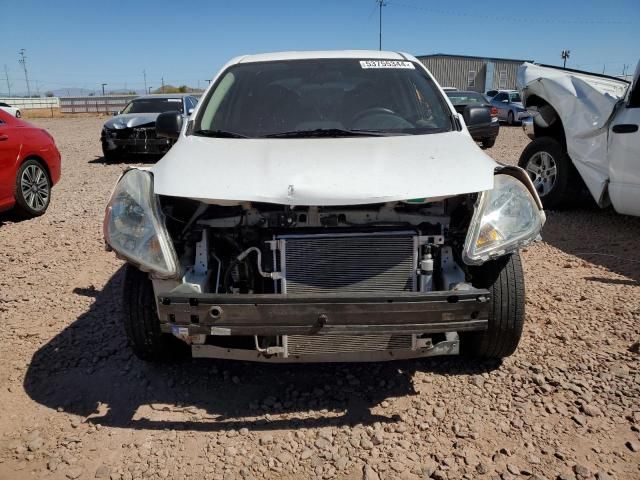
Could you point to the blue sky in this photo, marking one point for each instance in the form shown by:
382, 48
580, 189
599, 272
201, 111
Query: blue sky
81, 44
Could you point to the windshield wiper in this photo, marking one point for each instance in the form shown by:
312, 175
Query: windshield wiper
328, 132
218, 134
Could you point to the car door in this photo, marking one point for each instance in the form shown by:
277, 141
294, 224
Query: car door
10, 145
624, 153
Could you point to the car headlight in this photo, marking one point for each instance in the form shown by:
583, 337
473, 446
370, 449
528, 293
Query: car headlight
506, 218
134, 226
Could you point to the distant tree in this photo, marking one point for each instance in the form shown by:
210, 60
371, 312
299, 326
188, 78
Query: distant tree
49, 94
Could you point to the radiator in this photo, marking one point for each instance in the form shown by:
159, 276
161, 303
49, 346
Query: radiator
358, 263
328, 344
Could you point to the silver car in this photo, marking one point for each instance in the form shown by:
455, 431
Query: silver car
509, 105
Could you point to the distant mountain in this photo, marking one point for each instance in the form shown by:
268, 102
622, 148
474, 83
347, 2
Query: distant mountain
180, 89
84, 92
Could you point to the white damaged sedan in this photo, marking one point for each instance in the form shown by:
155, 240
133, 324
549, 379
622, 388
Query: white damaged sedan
320, 207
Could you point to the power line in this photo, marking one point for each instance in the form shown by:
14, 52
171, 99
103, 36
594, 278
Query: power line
23, 61
380, 5
6, 74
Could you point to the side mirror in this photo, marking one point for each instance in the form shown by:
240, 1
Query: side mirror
476, 115
190, 111
169, 124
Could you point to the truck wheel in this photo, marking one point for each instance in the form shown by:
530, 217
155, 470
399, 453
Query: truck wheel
141, 322
510, 119
488, 142
505, 280
551, 171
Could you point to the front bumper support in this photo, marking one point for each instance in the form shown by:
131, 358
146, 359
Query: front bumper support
319, 314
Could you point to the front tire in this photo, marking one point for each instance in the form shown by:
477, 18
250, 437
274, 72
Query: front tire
488, 142
553, 174
111, 155
510, 118
504, 278
141, 322
33, 189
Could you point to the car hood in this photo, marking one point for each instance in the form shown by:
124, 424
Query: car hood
324, 171
130, 120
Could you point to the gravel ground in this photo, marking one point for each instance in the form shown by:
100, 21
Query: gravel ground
76, 404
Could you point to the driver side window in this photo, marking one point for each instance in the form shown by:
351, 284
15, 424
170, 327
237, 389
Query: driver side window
500, 97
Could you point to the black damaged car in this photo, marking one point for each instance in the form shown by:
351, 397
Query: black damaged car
133, 130
484, 130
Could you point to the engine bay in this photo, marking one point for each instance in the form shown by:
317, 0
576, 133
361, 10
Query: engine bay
256, 247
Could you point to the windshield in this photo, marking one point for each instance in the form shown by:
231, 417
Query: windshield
514, 97
154, 105
332, 96
466, 98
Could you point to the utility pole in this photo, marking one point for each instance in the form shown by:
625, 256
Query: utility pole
6, 74
103, 85
380, 5
565, 55
208, 80
149, 91
162, 89
144, 74
23, 61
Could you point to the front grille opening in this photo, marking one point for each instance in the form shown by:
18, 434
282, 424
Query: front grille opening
333, 343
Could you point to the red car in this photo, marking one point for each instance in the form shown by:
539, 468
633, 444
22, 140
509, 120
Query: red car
29, 166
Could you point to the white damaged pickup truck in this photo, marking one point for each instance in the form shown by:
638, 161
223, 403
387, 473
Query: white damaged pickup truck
322, 207
585, 132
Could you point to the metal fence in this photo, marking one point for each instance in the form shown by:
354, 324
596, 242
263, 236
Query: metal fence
27, 103
106, 104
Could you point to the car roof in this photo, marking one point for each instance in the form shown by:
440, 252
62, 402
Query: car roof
163, 95
454, 92
308, 55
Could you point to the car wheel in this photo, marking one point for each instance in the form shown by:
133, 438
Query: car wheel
510, 119
505, 280
553, 174
111, 155
488, 142
18, 113
33, 189
141, 322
